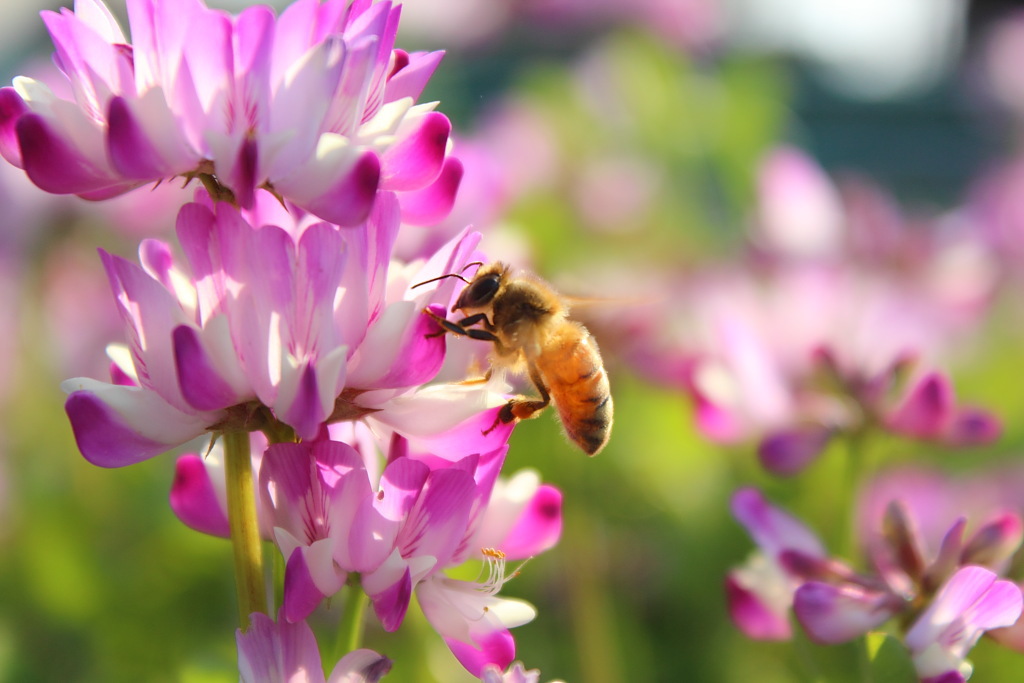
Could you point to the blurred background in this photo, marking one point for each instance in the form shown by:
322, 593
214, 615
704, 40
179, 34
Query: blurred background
627, 151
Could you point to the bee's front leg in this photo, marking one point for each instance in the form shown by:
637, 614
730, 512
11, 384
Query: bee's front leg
461, 327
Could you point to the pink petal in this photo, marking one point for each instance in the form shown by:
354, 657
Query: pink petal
415, 161
56, 166
360, 666
497, 648
271, 651
972, 601
391, 604
305, 412
995, 542
12, 108
131, 151
349, 200
753, 616
480, 433
788, 452
926, 409
835, 614
117, 425
1010, 636
401, 349
434, 202
400, 487
439, 519
973, 427
410, 79
947, 677
538, 528
772, 529
242, 175
715, 422
301, 595
198, 375
194, 500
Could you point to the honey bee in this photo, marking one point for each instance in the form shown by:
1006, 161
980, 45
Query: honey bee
528, 324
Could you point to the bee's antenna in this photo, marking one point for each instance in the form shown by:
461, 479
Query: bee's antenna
439, 277
447, 275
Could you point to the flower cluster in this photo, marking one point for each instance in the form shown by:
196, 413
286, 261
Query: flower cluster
316, 105
282, 326
337, 518
948, 587
839, 321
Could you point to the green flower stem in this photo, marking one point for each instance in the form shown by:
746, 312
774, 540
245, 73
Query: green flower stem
350, 630
245, 535
856, 471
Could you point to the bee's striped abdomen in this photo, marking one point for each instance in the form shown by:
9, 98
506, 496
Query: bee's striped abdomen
579, 388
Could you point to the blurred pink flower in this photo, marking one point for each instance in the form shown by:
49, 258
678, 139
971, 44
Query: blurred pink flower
315, 104
516, 673
282, 652
971, 602
837, 320
938, 573
760, 593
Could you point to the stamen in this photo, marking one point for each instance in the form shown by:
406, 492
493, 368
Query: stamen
494, 560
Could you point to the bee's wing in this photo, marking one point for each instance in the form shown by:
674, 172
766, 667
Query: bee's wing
604, 302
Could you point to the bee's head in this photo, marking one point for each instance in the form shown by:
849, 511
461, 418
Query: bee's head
482, 289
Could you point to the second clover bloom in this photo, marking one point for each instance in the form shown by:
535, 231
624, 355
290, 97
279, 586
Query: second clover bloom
316, 105
279, 318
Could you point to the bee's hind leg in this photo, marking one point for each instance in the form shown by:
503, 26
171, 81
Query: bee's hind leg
523, 408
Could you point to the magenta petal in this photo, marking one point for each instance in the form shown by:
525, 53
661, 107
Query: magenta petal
433, 203
995, 542
243, 176
947, 677
270, 651
201, 384
53, 164
715, 422
120, 377
973, 427
752, 616
481, 433
497, 647
772, 529
416, 160
972, 601
420, 355
439, 518
131, 151
360, 666
410, 79
12, 107
305, 414
926, 409
400, 486
349, 202
194, 500
391, 604
538, 528
103, 438
301, 596
788, 452
835, 614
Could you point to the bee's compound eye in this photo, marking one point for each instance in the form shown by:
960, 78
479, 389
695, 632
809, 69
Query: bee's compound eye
482, 291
